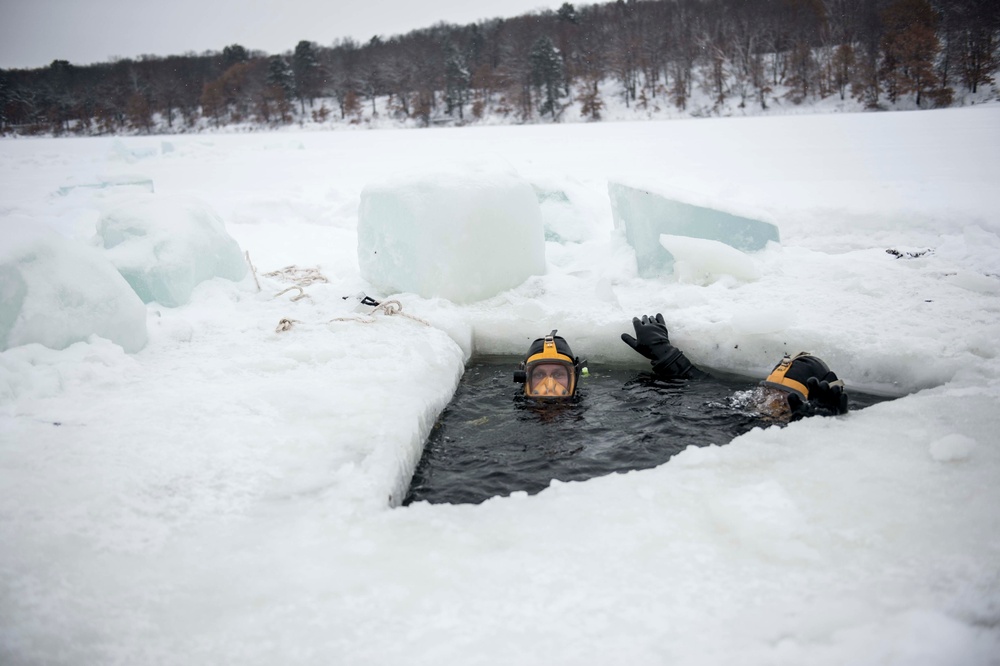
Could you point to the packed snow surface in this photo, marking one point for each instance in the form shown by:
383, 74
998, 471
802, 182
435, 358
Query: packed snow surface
228, 493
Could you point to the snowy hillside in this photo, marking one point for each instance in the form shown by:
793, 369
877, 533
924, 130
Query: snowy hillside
323, 113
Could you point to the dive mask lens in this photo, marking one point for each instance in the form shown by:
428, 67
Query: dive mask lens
772, 403
549, 380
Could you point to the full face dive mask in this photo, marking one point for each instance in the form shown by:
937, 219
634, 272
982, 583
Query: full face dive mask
550, 371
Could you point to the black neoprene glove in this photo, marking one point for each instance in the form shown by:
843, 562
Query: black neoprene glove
829, 394
652, 341
825, 399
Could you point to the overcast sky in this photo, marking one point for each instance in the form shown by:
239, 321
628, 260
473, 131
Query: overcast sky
33, 33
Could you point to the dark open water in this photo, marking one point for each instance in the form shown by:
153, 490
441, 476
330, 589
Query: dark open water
490, 441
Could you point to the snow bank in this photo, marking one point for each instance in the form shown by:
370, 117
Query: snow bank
464, 237
165, 246
55, 292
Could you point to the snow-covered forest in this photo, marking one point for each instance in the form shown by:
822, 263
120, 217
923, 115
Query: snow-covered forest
617, 60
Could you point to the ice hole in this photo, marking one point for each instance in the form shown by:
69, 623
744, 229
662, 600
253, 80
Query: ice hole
490, 442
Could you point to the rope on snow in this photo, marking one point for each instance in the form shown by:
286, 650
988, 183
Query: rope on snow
300, 276
303, 277
286, 325
302, 293
389, 308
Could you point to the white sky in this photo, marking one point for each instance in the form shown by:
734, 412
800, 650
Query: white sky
33, 33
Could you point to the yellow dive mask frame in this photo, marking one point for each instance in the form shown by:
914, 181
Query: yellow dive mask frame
549, 355
778, 379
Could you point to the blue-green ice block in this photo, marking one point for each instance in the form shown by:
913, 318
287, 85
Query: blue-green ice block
644, 215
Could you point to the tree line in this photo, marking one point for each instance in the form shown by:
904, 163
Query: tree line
532, 66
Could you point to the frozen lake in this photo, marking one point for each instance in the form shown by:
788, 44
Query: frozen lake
228, 493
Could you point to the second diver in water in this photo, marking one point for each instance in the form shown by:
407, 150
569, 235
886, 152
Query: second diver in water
798, 386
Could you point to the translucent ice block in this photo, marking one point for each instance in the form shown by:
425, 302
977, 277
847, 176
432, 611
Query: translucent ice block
460, 236
645, 215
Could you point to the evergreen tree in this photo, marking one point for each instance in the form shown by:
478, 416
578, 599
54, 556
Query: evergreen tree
306, 70
234, 54
476, 47
279, 76
274, 100
547, 75
567, 13
457, 79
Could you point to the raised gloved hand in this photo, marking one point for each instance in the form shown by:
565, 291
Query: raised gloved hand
652, 341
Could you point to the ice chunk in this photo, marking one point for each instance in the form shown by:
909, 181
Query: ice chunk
560, 219
463, 237
164, 247
119, 151
133, 182
55, 292
644, 216
702, 261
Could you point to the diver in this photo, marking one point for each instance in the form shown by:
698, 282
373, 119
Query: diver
798, 386
550, 372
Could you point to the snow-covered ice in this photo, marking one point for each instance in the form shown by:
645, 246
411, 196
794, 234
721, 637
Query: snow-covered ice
228, 493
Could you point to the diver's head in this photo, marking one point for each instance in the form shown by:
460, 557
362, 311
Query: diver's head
792, 374
807, 385
550, 371
790, 377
